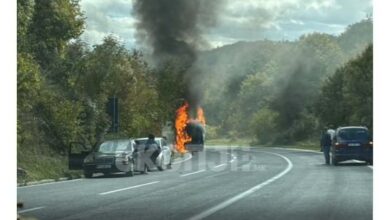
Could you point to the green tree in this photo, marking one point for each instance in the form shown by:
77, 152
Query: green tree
264, 125
330, 106
111, 70
53, 24
44, 30
59, 119
346, 97
29, 84
25, 9
29, 81
256, 92
359, 88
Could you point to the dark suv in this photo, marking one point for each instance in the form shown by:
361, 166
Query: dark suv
108, 157
352, 142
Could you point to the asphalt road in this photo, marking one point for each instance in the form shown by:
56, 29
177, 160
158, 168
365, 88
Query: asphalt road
220, 183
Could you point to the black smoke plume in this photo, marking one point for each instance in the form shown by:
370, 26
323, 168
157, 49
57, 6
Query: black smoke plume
173, 29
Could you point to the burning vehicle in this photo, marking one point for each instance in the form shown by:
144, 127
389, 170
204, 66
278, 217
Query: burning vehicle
197, 133
190, 131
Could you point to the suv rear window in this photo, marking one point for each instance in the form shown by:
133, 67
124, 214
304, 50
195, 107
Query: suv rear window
353, 134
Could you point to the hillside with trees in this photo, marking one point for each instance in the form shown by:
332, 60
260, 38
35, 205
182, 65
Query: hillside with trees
349, 91
63, 87
271, 91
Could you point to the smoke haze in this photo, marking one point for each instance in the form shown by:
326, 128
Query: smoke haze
173, 30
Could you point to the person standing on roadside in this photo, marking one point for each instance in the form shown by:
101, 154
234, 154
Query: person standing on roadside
326, 142
152, 148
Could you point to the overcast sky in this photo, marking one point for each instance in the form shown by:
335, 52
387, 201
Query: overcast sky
239, 20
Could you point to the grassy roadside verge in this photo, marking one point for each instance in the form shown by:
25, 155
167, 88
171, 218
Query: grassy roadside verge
43, 165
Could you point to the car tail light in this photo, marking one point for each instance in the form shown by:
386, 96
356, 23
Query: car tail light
340, 144
370, 144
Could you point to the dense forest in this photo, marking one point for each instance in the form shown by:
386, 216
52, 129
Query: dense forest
275, 92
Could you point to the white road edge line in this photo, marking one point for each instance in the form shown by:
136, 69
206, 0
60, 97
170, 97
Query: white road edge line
371, 167
246, 193
30, 210
183, 160
131, 187
224, 164
188, 174
44, 184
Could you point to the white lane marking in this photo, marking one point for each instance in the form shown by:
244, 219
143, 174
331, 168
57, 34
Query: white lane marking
246, 193
370, 167
45, 184
30, 210
220, 165
131, 187
183, 160
188, 174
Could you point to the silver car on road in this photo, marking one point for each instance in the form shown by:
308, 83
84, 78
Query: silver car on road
143, 161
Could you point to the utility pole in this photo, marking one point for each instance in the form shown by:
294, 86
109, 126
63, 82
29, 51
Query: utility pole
113, 112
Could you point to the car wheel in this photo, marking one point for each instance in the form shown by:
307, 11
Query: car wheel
161, 167
130, 173
169, 166
88, 174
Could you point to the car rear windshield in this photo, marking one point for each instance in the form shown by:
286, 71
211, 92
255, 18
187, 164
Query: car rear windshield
114, 146
353, 134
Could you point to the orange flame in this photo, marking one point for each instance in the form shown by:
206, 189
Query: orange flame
182, 118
